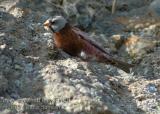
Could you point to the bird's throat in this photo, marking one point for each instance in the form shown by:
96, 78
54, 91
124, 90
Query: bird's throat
52, 29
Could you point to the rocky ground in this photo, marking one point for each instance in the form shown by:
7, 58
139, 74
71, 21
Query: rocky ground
34, 79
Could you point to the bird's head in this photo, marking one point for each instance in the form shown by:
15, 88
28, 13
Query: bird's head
55, 24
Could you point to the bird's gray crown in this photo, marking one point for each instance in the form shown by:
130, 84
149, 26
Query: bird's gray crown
57, 23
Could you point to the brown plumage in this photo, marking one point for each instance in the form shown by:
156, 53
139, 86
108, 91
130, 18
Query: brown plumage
76, 43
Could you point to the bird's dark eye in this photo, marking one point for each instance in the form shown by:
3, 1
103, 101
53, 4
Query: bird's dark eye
52, 22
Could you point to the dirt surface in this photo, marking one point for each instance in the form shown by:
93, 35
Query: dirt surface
36, 79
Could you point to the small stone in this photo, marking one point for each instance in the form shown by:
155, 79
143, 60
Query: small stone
151, 88
2, 47
18, 67
17, 12
29, 67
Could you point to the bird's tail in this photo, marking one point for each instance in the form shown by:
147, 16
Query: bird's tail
122, 65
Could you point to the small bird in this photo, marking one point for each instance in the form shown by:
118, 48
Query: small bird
77, 43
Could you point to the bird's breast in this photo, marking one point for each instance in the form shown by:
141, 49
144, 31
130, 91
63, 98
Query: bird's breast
68, 43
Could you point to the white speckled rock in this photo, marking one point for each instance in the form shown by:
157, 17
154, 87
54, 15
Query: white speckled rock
42, 80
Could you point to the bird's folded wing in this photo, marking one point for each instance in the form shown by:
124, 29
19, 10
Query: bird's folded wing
86, 37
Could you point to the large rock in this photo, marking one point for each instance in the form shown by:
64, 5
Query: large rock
154, 8
34, 79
